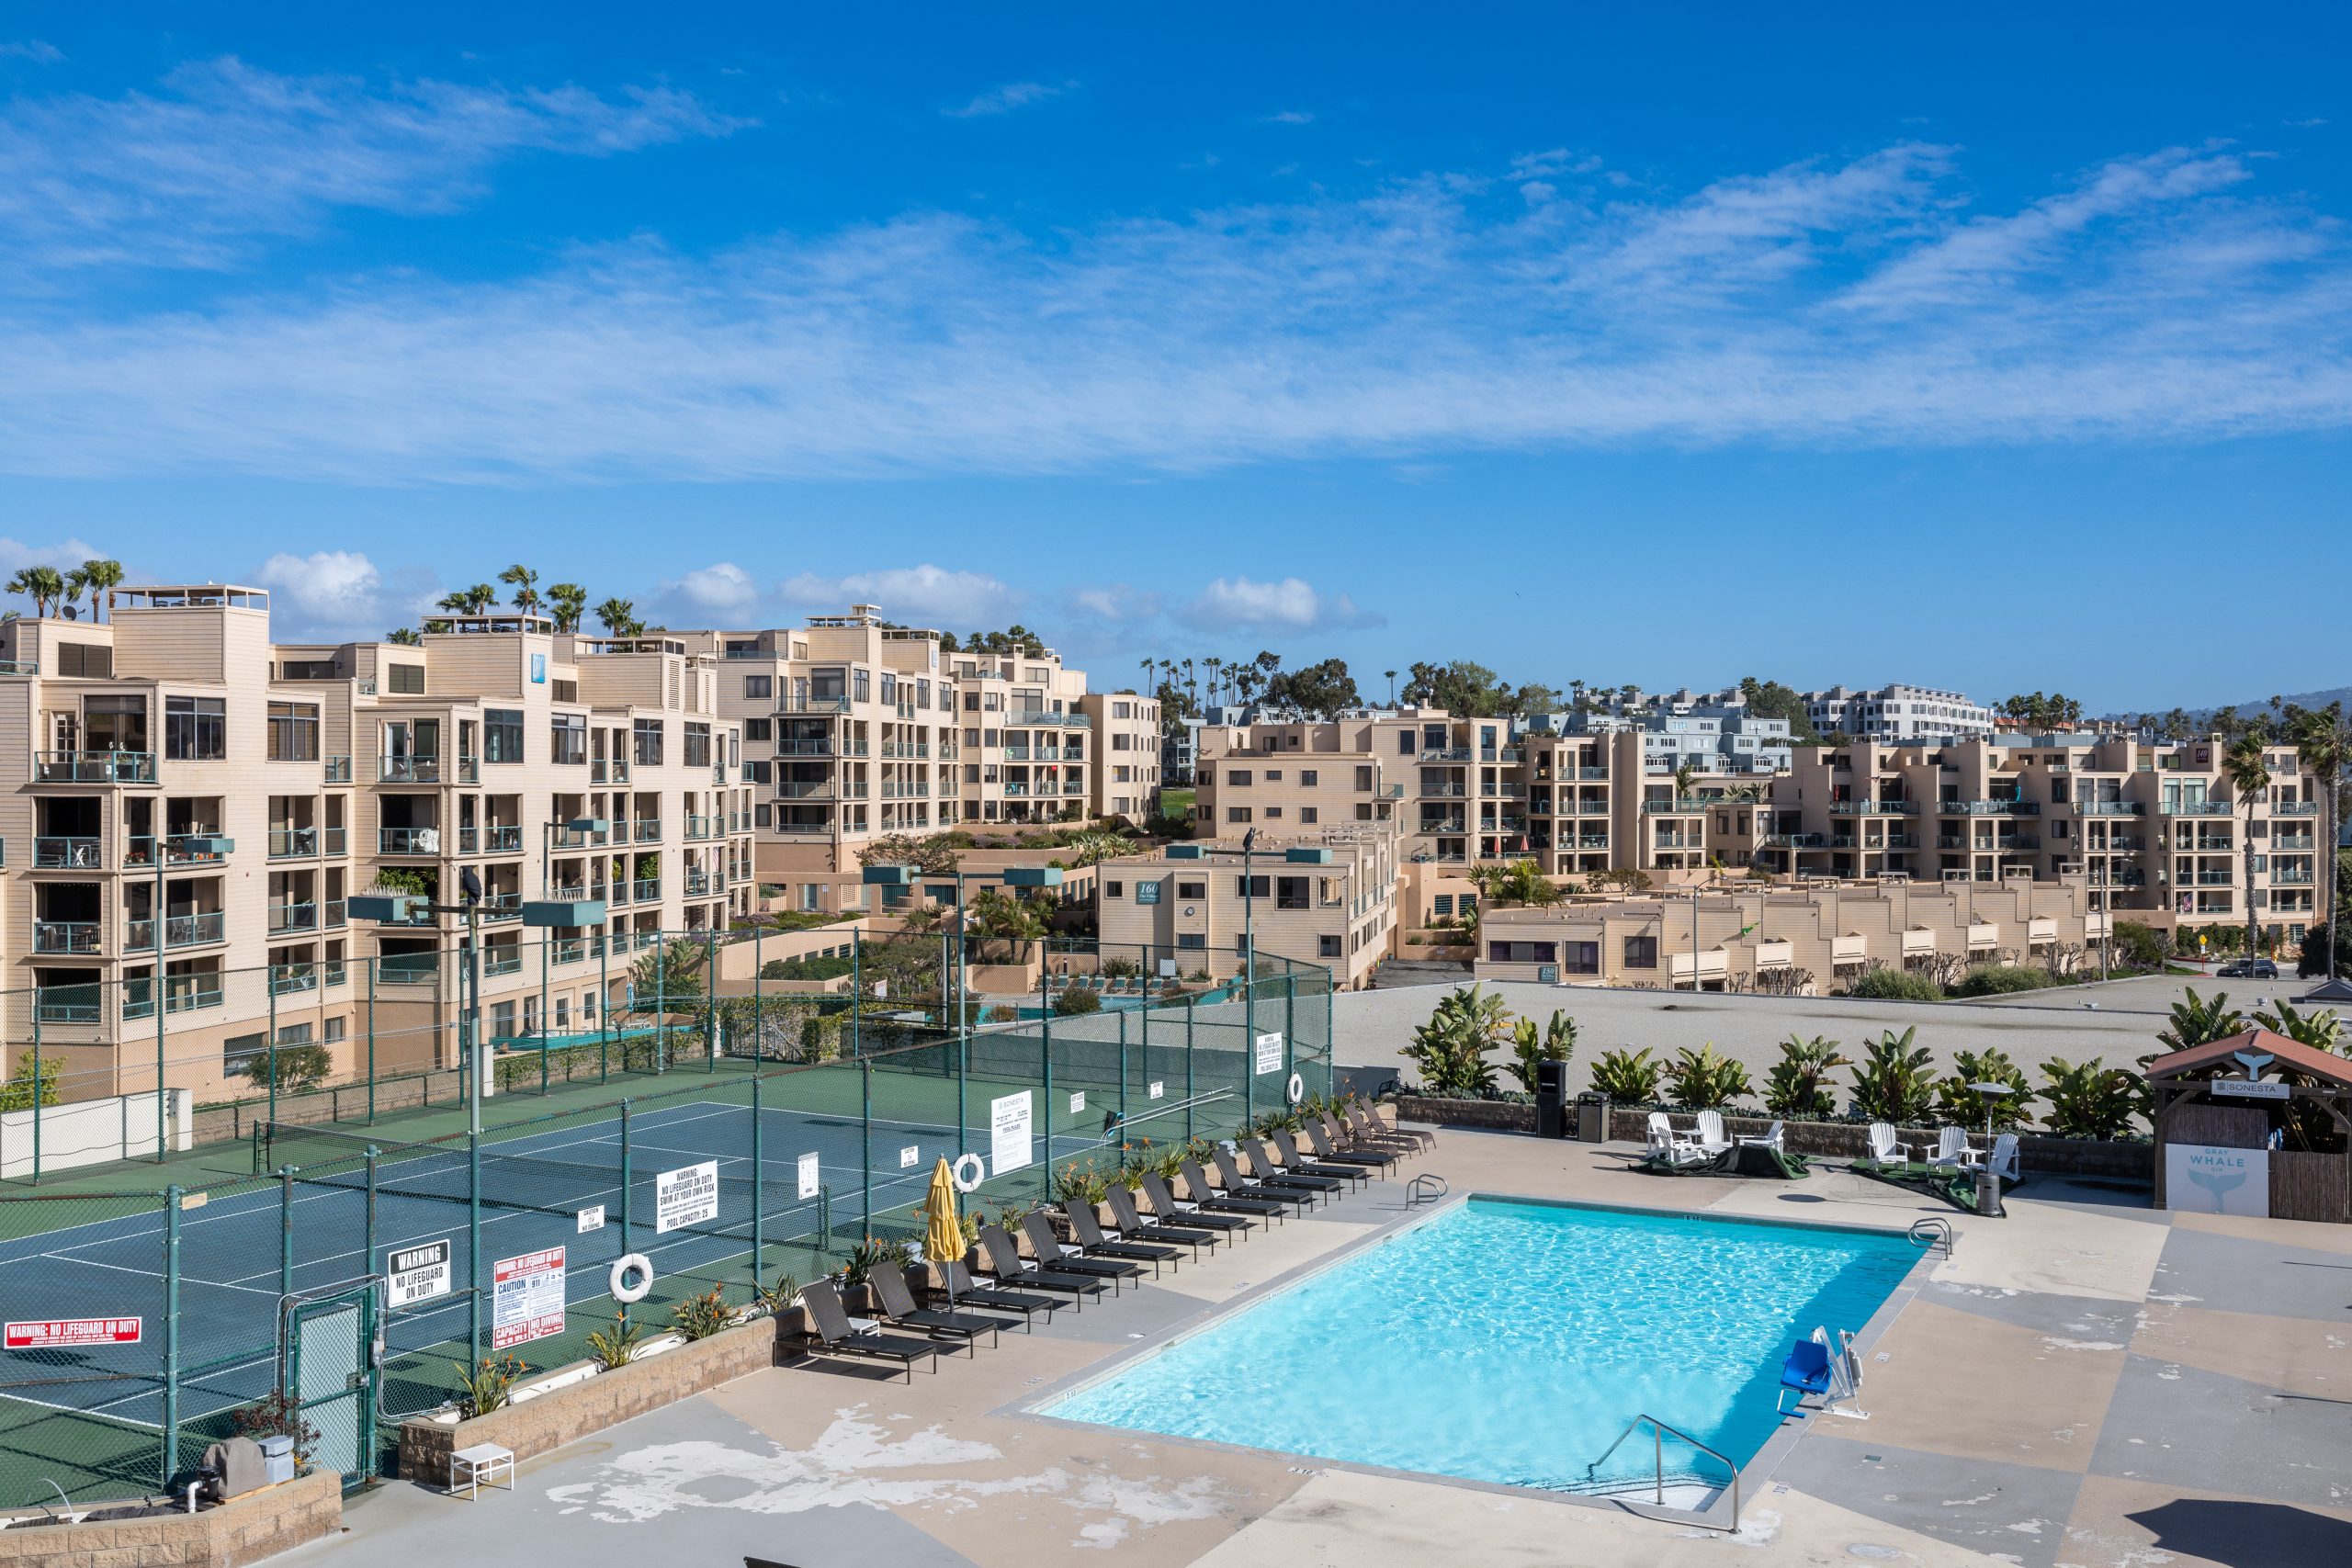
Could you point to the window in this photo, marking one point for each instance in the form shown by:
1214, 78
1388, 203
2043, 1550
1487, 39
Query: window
1327, 947
293, 732
568, 737
759, 685
1115, 890
566, 691
862, 684
1273, 775
1191, 941
1238, 777
1404, 747
1192, 890
1641, 952
1309, 777
1522, 952
758, 728
1237, 814
1250, 886
698, 747
89, 660
1580, 957
1273, 812
408, 680
502, 1020
501, 735
1441, 904
333, 1030
196, 729
649, 742
1291, 892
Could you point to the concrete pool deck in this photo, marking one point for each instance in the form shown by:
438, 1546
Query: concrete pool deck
2084, 1382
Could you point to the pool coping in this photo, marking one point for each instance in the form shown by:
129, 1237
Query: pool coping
1768, 1458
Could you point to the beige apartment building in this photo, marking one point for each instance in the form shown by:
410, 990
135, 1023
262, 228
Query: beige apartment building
1125, 779
174, 772
1323, 897
1804, 938
2153, 827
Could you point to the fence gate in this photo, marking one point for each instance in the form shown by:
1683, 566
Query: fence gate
330, 1376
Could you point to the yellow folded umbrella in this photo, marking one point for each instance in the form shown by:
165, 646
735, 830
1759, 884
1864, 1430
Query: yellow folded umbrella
943, 1236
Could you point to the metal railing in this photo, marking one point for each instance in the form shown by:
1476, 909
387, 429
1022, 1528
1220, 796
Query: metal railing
338, 768
1659, 1431
407, 770
65, 854
290, 843
95, 767
408, 840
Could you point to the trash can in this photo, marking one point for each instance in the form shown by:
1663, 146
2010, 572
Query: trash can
1988, 1194
1551, 1100
1592, 1118
277, 1458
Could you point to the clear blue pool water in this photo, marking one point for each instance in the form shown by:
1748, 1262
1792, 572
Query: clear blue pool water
1512, 1342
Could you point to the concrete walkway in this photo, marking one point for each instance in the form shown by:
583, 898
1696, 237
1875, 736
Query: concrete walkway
2084, 1382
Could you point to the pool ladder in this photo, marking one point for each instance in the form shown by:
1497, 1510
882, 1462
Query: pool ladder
1932, 1231
1425, 1187
1660, 1431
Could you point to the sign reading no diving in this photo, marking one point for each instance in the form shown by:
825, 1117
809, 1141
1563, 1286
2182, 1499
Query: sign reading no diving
413, 1274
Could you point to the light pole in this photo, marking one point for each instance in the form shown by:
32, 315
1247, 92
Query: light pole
207, 845
1296, 854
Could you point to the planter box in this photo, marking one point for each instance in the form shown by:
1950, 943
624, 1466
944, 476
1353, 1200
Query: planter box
243, 1530
1496, 1115
560, 1415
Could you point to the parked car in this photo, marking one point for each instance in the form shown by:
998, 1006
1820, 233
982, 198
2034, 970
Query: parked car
2248, 969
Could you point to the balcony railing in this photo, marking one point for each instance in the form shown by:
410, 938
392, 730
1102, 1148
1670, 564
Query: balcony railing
408, 969
2296, 808
179, 849
1873, 808
702, 827
181, 993
505, 960
293, 918
648, 829
1446, 754
65, 854
646, 890
65, 936
1454, 788
906, 748
331, 915
2290, 878
338, 768
490, 841
408, 840
803, 702
1445, 825
2197, 808
1988, 808
179, 931
95, 767
1029, 720
1591, 840
2282, 843
698, 884
1681, 806
613, 770
1792, 842
288, 978
286, 843
2109, 808
407, 770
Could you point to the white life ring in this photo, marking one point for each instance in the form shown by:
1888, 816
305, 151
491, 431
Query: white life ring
1295, 1089
969, 1180
633, 1263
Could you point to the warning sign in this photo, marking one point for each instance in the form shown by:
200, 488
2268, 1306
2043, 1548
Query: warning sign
687, 1196
60, 1333
1010, 1134
1269, 1052
413, 1274
527, 1299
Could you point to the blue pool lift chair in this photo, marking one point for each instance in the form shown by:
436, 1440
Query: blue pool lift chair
1828, 1368
1807, 1370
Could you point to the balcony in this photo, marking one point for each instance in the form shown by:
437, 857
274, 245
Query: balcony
287, 979
1681, 806
502, 960
1016, 789
647, 830
501, 906
178, 849
331, 915
1441, 790
646, 890
1873, 808
2291, 879
804, 789
803, 830
906, 748
290, 843
1447, 754
1500, 754
608, 771
2208, 879
2010, 843
181, 993
702, 827
1590, 841
1445, 825
2296, 808
65, 936
293, 918
1988, 808
806, 749
179, 931
2197, 808
408, 969
2109, 808
338, 768
408, 840
65, 854
802, 702
407, 770
699, 884
494, 840
1792, 842
95, 767
1073, 787
1032, 720
2119, 876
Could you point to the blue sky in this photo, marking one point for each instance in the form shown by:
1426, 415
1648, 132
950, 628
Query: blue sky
2002, 348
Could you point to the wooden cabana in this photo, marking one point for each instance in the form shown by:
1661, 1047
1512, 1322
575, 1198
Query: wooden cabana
2254, 1125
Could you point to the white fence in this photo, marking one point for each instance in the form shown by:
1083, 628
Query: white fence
92, 1132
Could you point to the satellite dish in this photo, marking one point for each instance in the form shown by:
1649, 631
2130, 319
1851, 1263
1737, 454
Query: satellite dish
73, 613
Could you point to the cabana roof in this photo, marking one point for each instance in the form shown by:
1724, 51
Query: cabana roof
2324, 1066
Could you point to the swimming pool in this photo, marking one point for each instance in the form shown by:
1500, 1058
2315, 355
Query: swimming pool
1511, 1341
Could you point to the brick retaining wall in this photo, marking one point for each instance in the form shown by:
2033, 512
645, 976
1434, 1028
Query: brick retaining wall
244, 1529
550, 1420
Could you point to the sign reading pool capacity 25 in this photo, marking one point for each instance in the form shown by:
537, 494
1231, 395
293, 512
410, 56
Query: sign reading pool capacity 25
1269, 1052
1008, 1132
687, 1196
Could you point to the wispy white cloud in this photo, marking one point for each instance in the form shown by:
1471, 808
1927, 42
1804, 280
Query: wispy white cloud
334, 595
953, 601
721, 592
1292, 605
64, 554
34, 49
225, 151
1287, 116
1863, 302
1005, 100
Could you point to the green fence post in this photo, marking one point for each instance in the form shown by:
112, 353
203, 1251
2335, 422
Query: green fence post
171, 1336
369, 1256
1290, 1029
624, 1177
661, 1005
1331, 1040
546, 1018
36, 1095
284, 1234
269, 983
759, 1183
856, 988
866, 1123
1045, 1034
473, 1244
372, 962
759, 1003
1188, 999
604, 1006
1123, 1071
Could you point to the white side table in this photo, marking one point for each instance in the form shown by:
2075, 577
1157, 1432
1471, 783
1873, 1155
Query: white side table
479, 1465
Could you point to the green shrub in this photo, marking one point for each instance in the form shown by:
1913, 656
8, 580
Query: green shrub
1629, 1077
295, 1066
17, 1094
1076, 1000
699, 1317
1704, 1078
1892, 1082
1530, 1048
1798, 1085
2088, 1100
816, 966
1450, 1049
2003, 979
1885, 984
1956, 1102
2138, 945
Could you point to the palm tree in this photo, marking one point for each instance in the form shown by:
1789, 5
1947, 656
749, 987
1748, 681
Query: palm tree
2320, 737
2200, 1022
403, 637
75, 583
1212, 663
44, 585
2248, 772
525, 581
1392, 686
1192, 685
568, 602
100, 576
1686, 779
619, 617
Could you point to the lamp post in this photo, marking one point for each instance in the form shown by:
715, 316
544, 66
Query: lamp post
213, 846
1296, 854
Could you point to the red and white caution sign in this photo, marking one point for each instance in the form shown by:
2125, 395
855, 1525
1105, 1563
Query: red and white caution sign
71, 1333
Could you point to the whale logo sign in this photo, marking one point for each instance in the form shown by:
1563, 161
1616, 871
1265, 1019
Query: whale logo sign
2201, 1179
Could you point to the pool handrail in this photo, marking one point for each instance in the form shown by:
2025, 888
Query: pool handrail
1659, 1431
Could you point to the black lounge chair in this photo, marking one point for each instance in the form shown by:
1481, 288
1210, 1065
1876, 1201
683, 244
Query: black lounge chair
1270, 1165
1168, 1209
1132, 1226
1229, 1199
1007, 1266
1091, 1243
1228, 1171
961, 1290
1328, 1151
837, 1336
1348, 1137
1372, 1126
1055, 1253
941, 1323
1286, 1149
